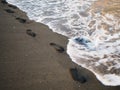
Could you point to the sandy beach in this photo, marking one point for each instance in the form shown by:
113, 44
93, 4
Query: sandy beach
30, 62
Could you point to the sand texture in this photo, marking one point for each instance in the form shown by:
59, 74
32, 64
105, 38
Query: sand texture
29, 62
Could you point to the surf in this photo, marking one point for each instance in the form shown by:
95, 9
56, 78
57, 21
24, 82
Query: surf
92, 27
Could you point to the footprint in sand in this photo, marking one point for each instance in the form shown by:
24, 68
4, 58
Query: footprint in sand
30, 33
76, 76
9, 11
58, 47
11, 6
4, 2
21, 20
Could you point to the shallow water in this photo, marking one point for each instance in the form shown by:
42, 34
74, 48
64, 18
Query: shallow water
93, 29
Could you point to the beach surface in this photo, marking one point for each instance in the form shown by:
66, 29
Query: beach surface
30, 62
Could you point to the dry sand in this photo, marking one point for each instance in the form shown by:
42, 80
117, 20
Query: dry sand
30, 63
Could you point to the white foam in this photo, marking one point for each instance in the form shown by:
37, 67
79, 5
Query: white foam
77, 20
109, 79
79, 56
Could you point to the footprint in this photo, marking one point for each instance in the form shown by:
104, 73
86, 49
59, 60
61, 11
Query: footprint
4, 2
9, 11
30, 33
76, 76
12, 6
58, 47
21, 20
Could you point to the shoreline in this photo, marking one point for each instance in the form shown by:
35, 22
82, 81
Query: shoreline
30, 62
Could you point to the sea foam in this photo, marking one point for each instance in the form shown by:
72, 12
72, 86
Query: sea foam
93, 29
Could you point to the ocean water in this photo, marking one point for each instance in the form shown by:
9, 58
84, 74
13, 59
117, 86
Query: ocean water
92, 27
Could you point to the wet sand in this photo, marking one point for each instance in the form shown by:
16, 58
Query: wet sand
108, 7
31, 63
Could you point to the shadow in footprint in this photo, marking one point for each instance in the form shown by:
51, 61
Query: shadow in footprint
58, 47
21, 20
12, 6
76, 76
9, 11
4, 2
30, 33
